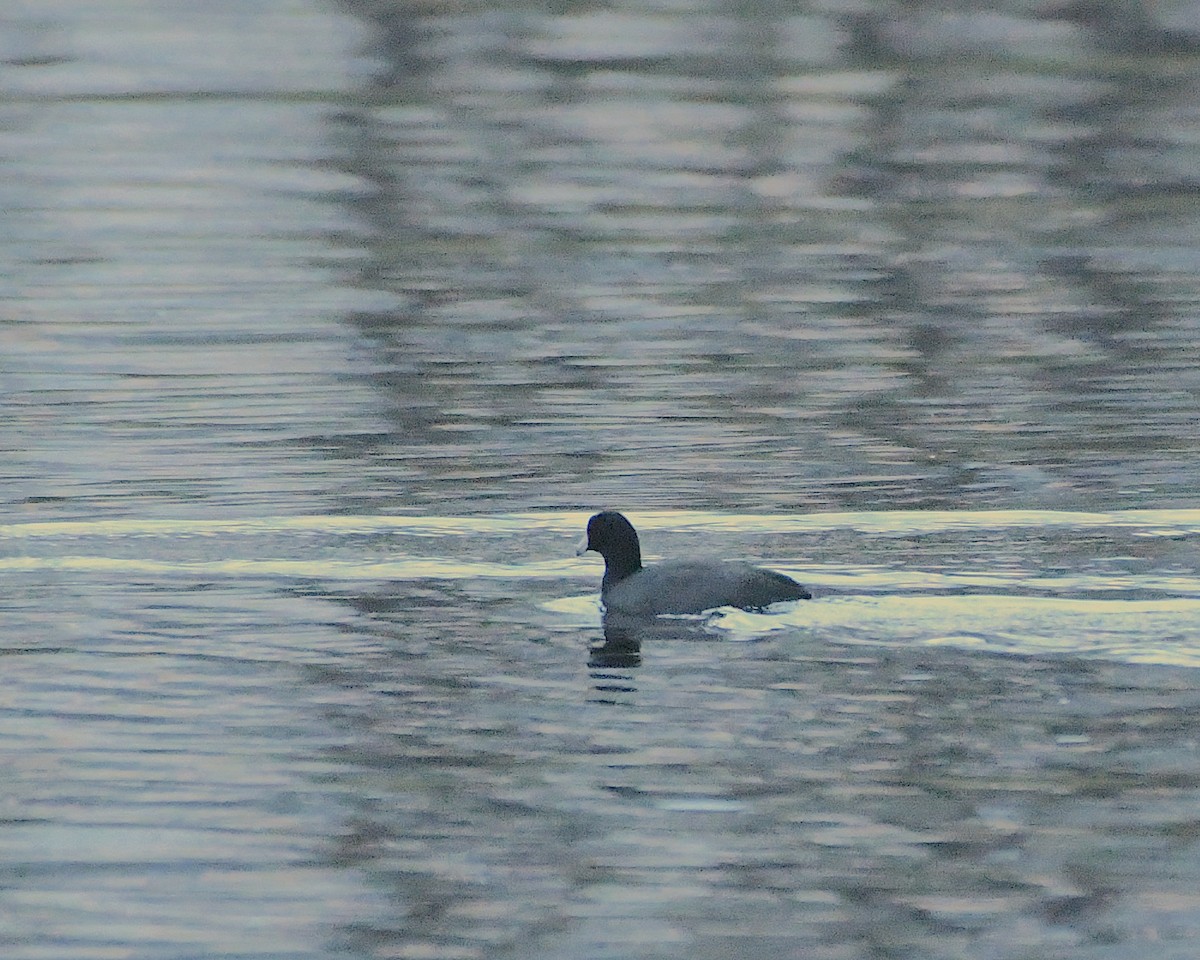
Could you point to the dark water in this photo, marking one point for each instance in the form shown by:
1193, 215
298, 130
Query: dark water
323, 328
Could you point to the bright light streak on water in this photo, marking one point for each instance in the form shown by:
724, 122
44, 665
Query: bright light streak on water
1139, 615
907, 522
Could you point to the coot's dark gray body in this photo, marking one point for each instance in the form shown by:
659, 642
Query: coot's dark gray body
677, 586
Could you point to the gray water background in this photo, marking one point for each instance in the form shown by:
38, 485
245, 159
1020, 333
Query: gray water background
322, 329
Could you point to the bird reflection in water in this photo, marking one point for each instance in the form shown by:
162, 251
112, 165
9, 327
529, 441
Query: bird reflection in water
619, 649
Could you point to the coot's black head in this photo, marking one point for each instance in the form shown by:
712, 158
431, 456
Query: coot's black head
613, 537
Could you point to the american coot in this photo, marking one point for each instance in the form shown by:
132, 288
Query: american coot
676, 586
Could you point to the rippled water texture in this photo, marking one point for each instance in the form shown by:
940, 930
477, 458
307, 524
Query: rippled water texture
323, 328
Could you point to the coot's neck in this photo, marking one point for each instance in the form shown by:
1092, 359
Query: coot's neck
620, 561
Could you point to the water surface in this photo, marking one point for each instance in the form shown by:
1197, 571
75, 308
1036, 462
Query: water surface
323, 327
